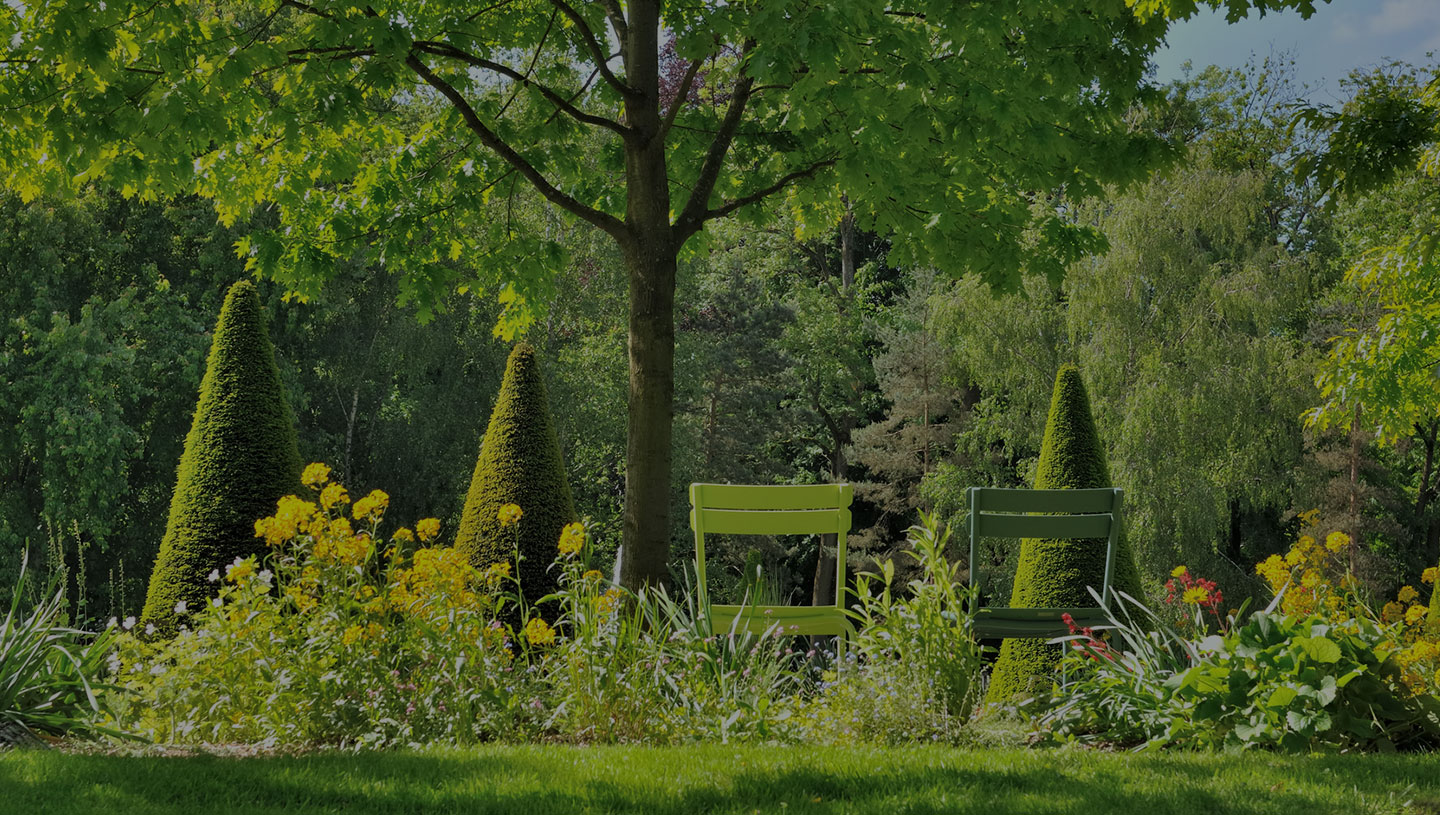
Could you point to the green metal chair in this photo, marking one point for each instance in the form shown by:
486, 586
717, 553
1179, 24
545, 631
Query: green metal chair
1073, 514
734, 509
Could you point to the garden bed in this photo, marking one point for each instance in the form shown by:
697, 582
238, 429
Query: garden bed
722, 779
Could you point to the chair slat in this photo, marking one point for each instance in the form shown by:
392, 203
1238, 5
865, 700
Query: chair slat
794, 620
994, 499
1002, 623
1042, 526
783, 496
772, 522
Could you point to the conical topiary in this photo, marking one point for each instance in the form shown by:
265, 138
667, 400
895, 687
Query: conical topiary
240, 457
1054, 573
519, 464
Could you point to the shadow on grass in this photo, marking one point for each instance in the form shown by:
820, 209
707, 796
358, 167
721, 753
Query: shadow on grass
716, 779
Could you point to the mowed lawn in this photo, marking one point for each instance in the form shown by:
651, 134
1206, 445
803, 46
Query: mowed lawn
534, 780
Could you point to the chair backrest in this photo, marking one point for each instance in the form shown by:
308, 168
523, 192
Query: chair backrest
744, 509
1071, 514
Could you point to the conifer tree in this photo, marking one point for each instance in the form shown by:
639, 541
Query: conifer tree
519, 464
240, 457
1055, 573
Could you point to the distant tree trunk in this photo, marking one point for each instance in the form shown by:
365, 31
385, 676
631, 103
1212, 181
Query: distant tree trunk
824, 591
1232, 550
1427, 493
1356, 447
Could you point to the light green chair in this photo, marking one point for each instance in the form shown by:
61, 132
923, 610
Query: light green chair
734, 509
1070, 514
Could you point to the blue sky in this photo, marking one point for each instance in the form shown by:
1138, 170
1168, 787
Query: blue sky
1341, 35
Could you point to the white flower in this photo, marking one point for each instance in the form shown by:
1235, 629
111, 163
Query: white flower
214, 576
265, 576
112, 623
129, 623
180, 607
217, 602
149, 629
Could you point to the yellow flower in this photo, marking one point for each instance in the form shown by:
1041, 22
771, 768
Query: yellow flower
1195, 596
351, 634
1310, 579
593, 574
333, 494
240, 571
403, 534
1392, 612
1274, 570
572, 538
428, 528
374, 503
509, 514
1429, 575
606, 602
1407, 594
1415, 614
1295, 556
315, 474
1178, 571
497, 572
539, 632
1336, 541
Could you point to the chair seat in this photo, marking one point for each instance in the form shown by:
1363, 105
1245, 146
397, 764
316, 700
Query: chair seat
991, 623
796, 620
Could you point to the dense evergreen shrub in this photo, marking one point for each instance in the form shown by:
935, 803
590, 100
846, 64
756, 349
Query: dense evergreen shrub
240, 457
1054, 573
519, 464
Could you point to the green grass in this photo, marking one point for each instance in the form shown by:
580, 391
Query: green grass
721, 779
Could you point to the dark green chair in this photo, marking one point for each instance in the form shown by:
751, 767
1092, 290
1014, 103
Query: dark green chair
1053, 514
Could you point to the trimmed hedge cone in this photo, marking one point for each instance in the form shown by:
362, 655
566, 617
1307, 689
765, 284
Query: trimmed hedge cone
240, 458
519, 464
1054, 573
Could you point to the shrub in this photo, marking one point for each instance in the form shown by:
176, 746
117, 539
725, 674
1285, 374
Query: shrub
240, 456
1057, 573
351, 638
519, 465
48, 672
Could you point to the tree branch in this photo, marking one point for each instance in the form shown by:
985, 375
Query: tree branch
693, 216
768, 190
591, 42
602, 220
443, 49
679, 100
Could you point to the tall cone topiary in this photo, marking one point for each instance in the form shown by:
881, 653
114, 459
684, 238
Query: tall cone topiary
1054, 573
240, 457
519, 464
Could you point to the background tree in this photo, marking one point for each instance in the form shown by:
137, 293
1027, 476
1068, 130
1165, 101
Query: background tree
299, 107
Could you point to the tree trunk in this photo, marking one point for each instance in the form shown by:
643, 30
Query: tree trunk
1428, 437
1233, 546
650, 253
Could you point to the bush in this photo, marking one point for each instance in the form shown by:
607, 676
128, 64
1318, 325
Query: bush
48, 672
519, 465
1058, 573
240, 456
352, 639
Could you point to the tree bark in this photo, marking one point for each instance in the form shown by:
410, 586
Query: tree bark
1428, 437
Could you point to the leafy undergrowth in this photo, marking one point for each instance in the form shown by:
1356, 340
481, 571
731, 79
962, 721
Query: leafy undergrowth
722, 779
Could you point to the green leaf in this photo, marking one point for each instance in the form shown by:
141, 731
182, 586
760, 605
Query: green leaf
1320, 649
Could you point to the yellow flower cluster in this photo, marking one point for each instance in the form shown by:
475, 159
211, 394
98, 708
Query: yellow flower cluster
332, 495
292, 517
315, 474
428, 528
539, 632
368, 631
1314, 577
373, 504
509, 514
572, 538
435, 574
